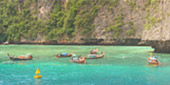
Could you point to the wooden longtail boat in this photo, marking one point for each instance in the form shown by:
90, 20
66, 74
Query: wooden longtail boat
81, 60
96, 57
69, 55
24, 58
153, 60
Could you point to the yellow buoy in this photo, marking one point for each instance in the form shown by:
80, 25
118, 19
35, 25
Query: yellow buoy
37, 76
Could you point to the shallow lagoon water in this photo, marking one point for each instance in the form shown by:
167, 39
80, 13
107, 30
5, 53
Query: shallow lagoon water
122, 65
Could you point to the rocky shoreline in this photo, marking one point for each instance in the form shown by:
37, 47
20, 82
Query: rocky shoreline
159, 46
92, 41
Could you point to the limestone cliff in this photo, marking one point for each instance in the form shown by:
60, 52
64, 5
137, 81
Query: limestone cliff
110, 22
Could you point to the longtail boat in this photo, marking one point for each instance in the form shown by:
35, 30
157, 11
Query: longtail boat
153, 60
81, 60
29, 57
95, 56
68, 55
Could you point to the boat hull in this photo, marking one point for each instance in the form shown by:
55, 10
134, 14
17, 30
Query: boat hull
81, 62
18, 59
154, 63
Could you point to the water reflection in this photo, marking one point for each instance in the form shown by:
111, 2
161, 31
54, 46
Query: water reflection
37, 81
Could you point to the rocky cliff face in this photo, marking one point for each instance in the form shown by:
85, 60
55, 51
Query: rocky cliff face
157, 26
132, 21
110, 22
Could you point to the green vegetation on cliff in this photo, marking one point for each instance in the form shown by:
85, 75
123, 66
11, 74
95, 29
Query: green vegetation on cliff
117, 26
24, 19
18, 20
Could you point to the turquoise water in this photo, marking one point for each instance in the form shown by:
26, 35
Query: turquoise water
122, 65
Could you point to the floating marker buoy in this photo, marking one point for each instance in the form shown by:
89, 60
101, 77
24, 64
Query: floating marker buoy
37, 76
